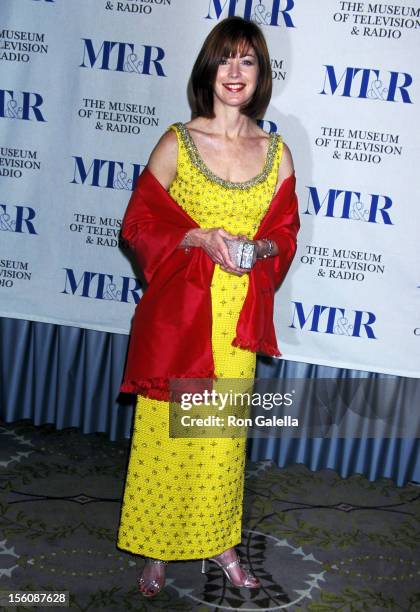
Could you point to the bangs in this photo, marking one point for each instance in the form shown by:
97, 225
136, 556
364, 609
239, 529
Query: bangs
236, 44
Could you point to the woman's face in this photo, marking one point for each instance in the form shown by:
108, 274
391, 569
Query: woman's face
237, 78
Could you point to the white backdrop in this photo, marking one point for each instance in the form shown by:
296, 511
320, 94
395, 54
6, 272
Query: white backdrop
86, 90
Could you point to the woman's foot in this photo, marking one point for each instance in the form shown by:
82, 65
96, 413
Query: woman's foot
152, 578
238, 576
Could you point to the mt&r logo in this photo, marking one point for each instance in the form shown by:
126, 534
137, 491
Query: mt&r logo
105, 173
19, 219
101, 286
123, 57
263, 12
333, 320
21, 105
368, 83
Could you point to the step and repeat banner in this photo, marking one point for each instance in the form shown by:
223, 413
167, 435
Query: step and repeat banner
86, 90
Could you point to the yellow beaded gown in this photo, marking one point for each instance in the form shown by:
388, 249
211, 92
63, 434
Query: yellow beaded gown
183, 496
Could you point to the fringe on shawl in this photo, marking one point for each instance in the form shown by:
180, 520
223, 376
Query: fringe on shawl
257, 347
159, 388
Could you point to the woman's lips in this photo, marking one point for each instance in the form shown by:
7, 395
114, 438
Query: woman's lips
234, 87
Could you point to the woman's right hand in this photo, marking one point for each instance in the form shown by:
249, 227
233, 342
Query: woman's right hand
212, 241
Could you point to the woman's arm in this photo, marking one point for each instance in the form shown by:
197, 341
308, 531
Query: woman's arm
286, 168
163, 159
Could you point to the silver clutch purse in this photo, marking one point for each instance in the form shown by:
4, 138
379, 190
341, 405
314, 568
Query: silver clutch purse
241, 252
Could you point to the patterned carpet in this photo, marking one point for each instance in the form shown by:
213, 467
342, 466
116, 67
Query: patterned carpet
318, 543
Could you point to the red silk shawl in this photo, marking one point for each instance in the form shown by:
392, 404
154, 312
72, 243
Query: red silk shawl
172, 325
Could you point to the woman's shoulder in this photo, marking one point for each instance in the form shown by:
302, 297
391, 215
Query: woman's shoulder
163, 158
168, 139
286, 166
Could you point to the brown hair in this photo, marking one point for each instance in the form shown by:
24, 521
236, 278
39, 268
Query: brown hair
228, 37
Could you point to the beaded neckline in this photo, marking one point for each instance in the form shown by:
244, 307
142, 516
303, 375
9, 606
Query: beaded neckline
199, 163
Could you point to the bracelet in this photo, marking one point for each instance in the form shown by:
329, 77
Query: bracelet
270, 247
186, 241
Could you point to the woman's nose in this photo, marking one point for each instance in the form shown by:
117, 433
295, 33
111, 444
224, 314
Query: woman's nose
234, 68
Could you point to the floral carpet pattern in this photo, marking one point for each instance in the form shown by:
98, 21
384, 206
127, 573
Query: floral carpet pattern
318, 543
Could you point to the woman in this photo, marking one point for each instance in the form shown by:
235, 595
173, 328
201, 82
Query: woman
214, 178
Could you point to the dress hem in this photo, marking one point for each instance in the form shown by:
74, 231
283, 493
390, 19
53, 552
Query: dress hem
205, 555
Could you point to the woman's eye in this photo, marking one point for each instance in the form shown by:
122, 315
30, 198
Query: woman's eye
224, 60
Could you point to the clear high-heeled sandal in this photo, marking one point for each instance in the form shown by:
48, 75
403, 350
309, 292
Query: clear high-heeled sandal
250, 581
154, 584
